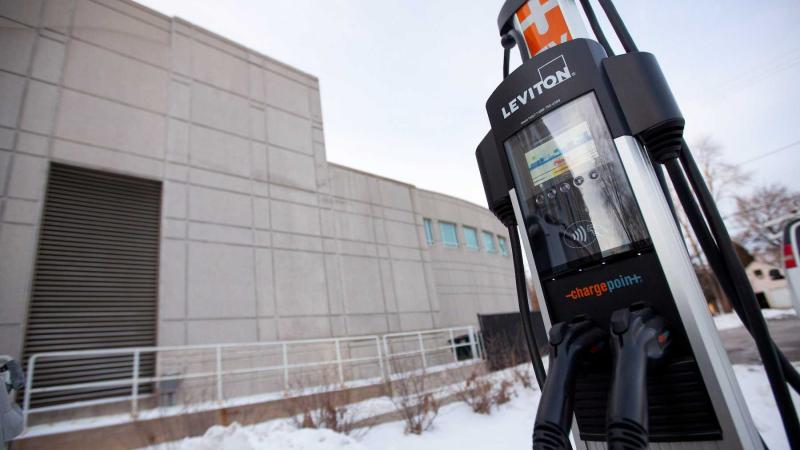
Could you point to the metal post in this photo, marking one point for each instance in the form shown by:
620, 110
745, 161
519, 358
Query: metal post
135, 386
26, 402
422, 351
453, 345
339, 361
472, 346
285, 367
219, 374
388, 355
380, 357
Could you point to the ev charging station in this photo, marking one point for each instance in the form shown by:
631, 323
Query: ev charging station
573, 164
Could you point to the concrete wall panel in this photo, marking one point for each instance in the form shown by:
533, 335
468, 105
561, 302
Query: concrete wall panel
219, 109
219, 68
17, 48
48, 61
287, 94
108, 74
289, 131
222, 331
361, 280
295, 218
218, 151
291, 169
300, 283
120, 32
221, 281
17, 250
291, 328
39, 109
104, 123
11, 89
211, 205
412, 294
172, 276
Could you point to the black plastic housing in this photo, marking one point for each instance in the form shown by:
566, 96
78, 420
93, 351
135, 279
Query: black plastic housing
647, 103
507, 11
496, 180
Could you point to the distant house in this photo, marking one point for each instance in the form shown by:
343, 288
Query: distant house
769, 285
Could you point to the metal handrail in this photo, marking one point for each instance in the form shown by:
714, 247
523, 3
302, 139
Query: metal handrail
383, 355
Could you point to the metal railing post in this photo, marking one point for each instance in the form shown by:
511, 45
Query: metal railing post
339, 361
380, 357
285, 367
135, 386
219, 373
388, 355
422, 351
26, 402
473, 348
453, 345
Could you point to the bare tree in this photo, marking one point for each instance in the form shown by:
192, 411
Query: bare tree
756, 216
720, 175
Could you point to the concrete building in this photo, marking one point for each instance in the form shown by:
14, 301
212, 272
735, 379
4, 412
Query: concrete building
257, 236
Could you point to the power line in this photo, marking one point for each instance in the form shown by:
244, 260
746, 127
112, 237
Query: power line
769, 153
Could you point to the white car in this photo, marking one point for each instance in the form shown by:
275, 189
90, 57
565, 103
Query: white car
791, 259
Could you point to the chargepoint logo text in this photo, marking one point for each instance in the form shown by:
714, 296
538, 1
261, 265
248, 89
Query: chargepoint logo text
608, 286
551, 74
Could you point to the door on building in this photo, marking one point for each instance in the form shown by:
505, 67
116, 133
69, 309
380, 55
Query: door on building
96, 280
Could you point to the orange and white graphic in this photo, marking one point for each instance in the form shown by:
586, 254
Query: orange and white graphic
543, 25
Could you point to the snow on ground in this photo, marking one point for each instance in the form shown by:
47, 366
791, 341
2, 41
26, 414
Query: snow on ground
761, 403
731, 320
278, 435
508, 427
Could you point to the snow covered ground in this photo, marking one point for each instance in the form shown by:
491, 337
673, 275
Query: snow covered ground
731, 320
457, 427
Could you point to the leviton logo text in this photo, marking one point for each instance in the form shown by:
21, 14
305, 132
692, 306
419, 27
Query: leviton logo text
551, 74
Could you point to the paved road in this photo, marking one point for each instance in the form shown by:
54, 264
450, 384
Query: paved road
742, 349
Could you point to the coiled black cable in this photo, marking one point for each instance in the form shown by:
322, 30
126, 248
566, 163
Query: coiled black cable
524, 307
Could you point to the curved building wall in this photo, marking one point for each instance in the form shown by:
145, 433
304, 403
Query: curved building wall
468, 280
260, 237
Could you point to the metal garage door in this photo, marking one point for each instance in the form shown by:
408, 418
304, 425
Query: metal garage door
96, 279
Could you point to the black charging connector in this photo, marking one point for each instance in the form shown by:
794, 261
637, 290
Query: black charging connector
571, 343
638, 336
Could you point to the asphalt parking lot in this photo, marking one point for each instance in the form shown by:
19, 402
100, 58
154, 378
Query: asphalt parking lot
742, 349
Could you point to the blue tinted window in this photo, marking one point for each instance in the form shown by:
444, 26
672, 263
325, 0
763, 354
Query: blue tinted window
428, 225
501, 242
488, 242
471, 238
448, 232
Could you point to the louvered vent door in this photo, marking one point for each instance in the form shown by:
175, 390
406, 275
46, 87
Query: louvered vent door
96, 280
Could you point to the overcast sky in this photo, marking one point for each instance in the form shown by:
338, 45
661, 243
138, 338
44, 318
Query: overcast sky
404, 82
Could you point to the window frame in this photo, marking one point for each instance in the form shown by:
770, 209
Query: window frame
445, 243
489, 248
427, 226
502, 245
474, 231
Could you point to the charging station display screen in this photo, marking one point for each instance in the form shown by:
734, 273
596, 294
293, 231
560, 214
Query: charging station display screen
568, 150
575, 197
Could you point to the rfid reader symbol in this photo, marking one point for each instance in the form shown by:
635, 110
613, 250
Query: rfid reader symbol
579, 234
